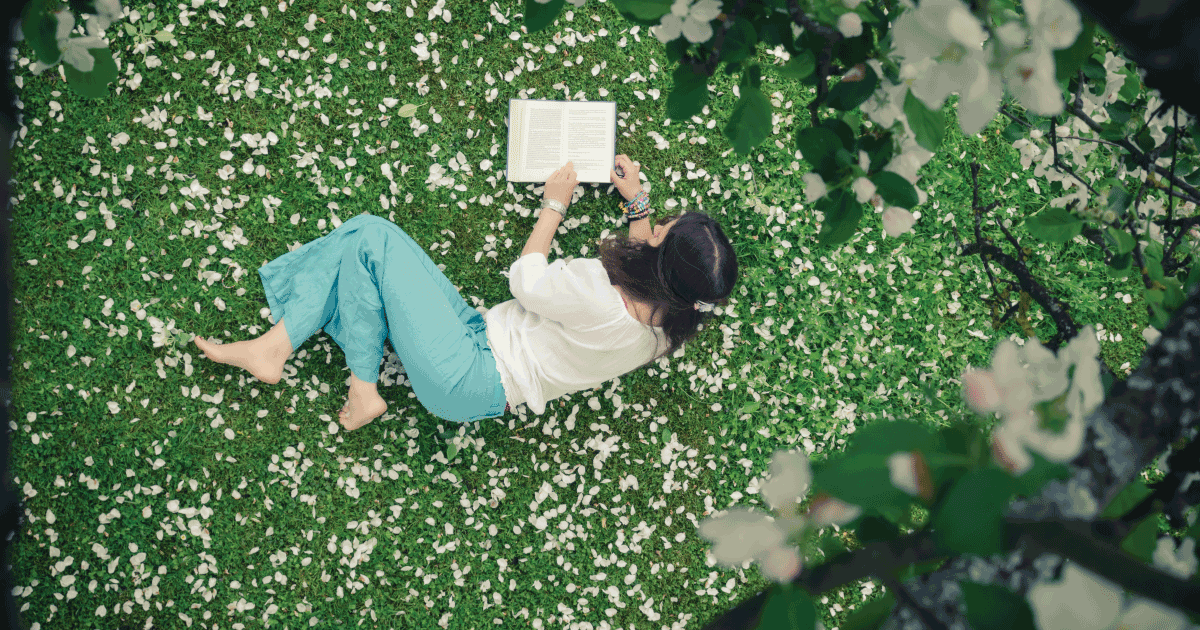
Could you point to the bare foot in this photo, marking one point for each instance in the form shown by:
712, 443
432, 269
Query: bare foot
263, 363
362, 406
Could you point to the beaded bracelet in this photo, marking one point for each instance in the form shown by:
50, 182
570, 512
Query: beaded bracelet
638, 207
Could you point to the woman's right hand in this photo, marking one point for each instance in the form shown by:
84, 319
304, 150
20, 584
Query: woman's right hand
629, 185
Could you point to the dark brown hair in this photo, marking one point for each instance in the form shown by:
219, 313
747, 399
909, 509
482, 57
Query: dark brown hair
694, 262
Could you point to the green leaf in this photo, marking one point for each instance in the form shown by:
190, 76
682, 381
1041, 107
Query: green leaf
1068, 61
1054, 225
1132, 86
1119, 111
451, 451
890, 436
971, 518
538, 16
1193, 276
991, 607
750, 407
879, 149
845, 136
1159, 317
817, 146
1013, 132
130, 30
872, 614
164, 36
1041, 473
676, 48
1154, 296
1118, 199
862, 480
644, 9
1141, 541
800, 67
1175, 296
847, 95
1132, 494
894, 189
842, 214
1153, 256
93, 84
752, 77
788, 607
739, 42
776, 30
1144, 140
407, 110
928, 125
689, 95
40, 26
921, 568
1122, 239
750, 122
1120, 265
875, 528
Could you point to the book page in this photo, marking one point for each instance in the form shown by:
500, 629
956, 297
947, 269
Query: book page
591, 140
543, 146
545, 135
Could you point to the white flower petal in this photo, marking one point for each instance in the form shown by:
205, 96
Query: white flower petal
790, 479
1081, 600
850, 24
696, 31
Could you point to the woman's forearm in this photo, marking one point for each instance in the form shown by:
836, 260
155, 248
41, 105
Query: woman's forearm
543, 233
640, 230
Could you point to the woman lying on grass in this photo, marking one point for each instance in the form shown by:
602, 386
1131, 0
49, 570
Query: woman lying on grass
570, 327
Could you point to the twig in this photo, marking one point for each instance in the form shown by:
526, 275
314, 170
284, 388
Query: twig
873, 559
1169, 255
1090, 140
824, 60
1137, 154
1059, 164
1055, 307
1075, 540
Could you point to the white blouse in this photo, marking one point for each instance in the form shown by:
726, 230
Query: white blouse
566, 330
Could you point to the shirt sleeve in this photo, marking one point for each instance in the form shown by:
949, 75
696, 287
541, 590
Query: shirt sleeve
564, 292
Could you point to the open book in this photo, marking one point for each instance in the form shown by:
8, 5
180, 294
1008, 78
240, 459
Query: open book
544, 135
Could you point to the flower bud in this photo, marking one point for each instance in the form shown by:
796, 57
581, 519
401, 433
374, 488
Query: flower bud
826, 510
980, 391
781, 564
911, 474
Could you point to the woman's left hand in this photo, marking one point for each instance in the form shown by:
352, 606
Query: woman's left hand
561, 184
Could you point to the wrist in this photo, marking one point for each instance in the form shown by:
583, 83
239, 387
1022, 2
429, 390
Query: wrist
556, 206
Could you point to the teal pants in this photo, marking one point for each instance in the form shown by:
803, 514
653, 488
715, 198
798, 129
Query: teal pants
368, 281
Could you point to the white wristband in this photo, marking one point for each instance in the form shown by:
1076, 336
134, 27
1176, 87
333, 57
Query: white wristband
556, 206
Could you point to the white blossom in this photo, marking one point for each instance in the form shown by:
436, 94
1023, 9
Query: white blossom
902, 470
850, 24
790, 479
943, 44
897, 221
1080, 600
1034, 374
863, 189
814, 187
1180, 562
690, 20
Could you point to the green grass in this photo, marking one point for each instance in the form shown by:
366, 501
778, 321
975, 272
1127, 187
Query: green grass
279, 489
